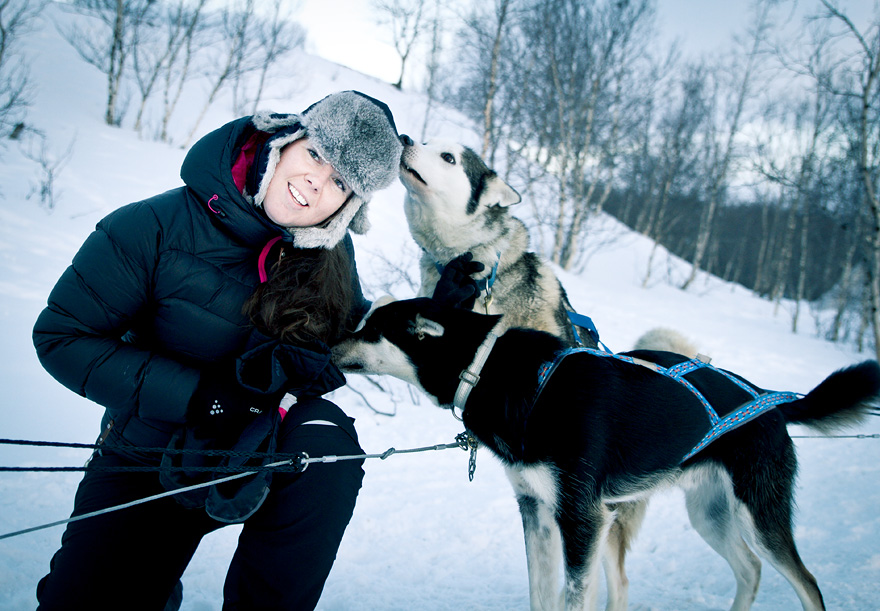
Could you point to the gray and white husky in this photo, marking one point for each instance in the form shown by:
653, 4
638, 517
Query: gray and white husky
456, 204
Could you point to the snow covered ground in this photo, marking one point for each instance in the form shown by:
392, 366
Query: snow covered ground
422, 537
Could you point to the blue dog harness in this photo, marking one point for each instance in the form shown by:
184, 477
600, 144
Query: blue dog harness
584, 322
760, 403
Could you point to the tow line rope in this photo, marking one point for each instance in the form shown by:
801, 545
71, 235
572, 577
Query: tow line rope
296, 462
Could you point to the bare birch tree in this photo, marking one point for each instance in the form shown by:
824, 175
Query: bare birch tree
491, 67
675, 155
584, 55
433, 67
722, 140
107, 43
806, 125
276, 36
157, 46
406, 22
231, 52
16, 19
501, 12
856, 80
184, 27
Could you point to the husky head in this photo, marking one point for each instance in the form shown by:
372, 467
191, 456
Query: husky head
417, 341
452, 196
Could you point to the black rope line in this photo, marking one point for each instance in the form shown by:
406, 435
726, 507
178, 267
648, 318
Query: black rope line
218, 469
860, 436
298, 460
463, 441
140, 450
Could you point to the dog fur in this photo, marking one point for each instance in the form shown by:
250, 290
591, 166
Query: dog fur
603, 431
666, 339
456, 204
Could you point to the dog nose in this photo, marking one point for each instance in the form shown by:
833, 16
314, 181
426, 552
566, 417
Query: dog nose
406, 140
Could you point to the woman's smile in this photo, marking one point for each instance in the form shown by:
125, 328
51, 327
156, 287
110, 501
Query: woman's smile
297, 196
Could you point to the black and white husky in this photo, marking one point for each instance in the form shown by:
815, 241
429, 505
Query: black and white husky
605, 429
456, 204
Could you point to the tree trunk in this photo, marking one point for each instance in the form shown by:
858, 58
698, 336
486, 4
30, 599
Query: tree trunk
493, 82
720, 178
117, 61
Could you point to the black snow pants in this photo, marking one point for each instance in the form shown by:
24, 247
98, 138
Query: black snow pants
134, 558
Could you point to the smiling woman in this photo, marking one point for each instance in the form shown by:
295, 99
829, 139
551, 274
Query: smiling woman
192, 317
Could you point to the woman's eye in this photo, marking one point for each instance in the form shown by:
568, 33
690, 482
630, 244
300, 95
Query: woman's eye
340, 184
314, 155
448, 158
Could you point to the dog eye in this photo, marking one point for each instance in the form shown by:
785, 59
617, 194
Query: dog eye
448, 158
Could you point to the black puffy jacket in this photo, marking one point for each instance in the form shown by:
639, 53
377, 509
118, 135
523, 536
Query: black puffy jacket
156, 292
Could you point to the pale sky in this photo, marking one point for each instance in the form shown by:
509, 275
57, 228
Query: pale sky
345, 31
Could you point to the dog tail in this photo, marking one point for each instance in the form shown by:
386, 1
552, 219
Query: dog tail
845, 398
664, 338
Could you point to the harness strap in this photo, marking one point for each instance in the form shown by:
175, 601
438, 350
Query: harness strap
585, 322
741, 415
760, 403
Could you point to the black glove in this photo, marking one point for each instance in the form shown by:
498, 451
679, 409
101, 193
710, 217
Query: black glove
221, 407
456, 287
300, 369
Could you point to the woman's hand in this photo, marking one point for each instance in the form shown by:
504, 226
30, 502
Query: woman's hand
456, 286
221, 407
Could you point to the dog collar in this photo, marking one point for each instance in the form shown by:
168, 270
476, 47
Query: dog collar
471, 376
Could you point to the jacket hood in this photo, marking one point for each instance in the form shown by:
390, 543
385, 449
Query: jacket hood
207, 172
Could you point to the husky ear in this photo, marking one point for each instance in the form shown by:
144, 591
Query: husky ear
382, 301
498, 193
424, 326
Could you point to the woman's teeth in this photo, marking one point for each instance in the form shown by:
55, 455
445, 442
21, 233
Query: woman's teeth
297, 196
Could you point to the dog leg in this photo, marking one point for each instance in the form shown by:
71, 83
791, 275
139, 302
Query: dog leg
787, 561
627, 521
711, 508
543, 553
766, 508
584, 528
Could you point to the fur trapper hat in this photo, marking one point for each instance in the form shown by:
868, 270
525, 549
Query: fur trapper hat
356, 134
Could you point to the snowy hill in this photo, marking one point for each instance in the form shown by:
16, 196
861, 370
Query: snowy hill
422, 537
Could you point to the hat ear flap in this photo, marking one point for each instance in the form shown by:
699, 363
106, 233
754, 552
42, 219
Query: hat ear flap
496, 192
360, 224
328, 234
263, 166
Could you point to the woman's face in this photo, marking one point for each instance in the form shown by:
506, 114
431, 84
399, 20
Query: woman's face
304, 190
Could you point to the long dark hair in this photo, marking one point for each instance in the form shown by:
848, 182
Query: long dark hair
307, 297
